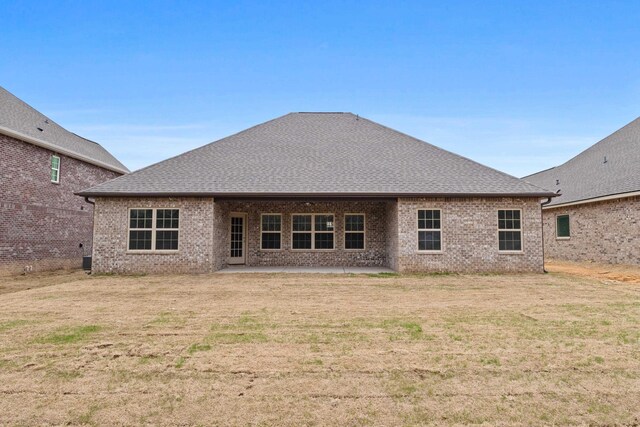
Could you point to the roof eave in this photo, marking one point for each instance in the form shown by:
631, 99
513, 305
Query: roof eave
44, 144
594, 199
219, 195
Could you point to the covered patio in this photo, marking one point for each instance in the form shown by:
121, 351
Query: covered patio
312, 270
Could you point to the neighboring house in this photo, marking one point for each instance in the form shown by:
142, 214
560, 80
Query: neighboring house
42, 222
317, 189
597, 216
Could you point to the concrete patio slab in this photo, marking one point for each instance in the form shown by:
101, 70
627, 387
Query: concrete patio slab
312, 270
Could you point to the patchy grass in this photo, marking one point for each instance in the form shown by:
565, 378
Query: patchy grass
194, 348
8, 325
337, 350
68, 335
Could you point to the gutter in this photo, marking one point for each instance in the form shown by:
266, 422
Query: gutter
597, 199
44, 144
89, 193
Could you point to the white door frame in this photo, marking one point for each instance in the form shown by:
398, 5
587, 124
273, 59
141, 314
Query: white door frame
242, 259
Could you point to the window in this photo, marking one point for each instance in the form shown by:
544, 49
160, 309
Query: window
562, 226
429, 230
312, 231
509, 230
55, 169
271, 231
354, 231
154, 228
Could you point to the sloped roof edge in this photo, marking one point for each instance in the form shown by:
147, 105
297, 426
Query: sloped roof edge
58, 149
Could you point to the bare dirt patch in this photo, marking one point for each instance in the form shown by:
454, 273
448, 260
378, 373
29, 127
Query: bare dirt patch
618, 272
287, 349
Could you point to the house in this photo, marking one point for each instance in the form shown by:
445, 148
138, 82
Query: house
597, 215
317, 189
43, 224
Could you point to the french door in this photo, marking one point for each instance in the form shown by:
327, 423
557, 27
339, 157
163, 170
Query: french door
237, 239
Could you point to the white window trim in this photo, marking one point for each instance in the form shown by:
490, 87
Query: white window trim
563, 237
521, 230
363, 232
153, 229
313, 232
57, 180
271, 232
418, 230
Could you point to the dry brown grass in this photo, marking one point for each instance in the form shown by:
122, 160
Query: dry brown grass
321, 350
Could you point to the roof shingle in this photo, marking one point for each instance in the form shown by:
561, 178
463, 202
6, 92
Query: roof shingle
610, 167
317, 154
20, 120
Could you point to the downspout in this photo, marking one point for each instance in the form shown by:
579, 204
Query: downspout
93, 224
542, 228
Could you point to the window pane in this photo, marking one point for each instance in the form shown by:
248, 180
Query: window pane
510, 240
324, 223
166, 240
354, 223
301, 241
139, 240
271, 223
270, 240
302, 223
354, 241
562, 228
324, 241
167, 218
509, 219
429, 241
55, 162
428, 219
54, 175
140, 218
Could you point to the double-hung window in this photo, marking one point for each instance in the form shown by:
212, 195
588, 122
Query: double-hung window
271, 231
55, 169
563, 230
509, 230
429, 230
312, 231
154, 229
354, 231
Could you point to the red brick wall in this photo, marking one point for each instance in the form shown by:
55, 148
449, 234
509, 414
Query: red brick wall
42, 223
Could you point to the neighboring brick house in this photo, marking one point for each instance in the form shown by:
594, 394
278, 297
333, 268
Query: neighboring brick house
597, 216
42, 222
318, 189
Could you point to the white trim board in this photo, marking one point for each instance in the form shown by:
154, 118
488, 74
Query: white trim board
58, 149
594, 200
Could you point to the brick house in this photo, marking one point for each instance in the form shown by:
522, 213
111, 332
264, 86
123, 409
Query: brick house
317, 189
42, 222
597, 215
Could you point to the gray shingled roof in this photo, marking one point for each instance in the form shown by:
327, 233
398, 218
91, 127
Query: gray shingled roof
317, 154
21, 121
588, 176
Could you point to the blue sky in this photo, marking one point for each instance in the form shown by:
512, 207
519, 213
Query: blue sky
519, 86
